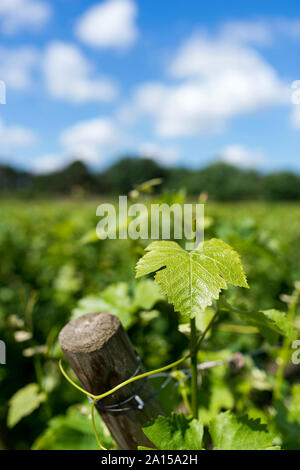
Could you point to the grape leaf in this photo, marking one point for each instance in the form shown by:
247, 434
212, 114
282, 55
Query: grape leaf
191, 280
23, 403
176, 432
271, 323
230, 432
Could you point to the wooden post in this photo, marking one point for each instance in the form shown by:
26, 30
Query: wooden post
102, 356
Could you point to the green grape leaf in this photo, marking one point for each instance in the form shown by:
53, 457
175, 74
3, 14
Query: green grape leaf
176, 432
270, 323
192, 279
23, 403
230, 432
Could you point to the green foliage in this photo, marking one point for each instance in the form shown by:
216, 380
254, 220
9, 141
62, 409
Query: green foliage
75, 178
220, 180
45, 272
192, 280
116, 300
23, 403
271, 323
294, 405
177, 432
287, 418
129, 172
220, 397
282, 186
146, 294
73, 431
230, 432
227, 431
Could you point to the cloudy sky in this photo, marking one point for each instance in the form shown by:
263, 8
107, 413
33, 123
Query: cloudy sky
184, 82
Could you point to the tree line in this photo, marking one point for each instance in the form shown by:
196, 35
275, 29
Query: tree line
220, 180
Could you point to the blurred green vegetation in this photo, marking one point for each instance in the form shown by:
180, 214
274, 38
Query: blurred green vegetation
50, 272
220, 180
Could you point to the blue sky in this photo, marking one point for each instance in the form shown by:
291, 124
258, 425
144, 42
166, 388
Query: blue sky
182, 82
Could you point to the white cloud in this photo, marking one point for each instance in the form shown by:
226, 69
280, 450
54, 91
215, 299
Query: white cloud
16, 66
261, 32
289, 27
48, 163
214, 81
13, 137
69, 76
91, 141
241, 156
88, 140
165, 154
203, 57
16, 15
255, 32
109, 24
295, 117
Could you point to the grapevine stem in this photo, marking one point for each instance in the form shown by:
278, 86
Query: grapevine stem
101, 447
194, 348
194, 370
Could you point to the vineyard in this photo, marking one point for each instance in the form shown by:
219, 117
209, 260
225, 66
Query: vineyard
236, 387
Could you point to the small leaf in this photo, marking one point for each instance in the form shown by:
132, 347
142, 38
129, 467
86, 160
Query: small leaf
177, 432
23, 403
89, 237
191, 280
230, 432
146, 295
114, 300
270, 323
147, 186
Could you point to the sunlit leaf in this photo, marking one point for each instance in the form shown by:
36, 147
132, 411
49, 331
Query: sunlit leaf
271, 323
230, 432
192, 280
177, 432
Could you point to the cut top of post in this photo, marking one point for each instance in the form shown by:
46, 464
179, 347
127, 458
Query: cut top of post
89, 333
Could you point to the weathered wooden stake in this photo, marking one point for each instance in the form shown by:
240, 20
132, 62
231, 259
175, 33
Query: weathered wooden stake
102, 356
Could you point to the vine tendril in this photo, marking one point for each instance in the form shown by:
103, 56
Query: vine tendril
95, 398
